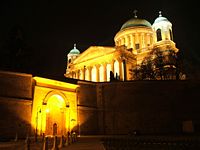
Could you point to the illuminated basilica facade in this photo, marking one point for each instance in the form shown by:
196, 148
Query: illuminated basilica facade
136, 40
37, 106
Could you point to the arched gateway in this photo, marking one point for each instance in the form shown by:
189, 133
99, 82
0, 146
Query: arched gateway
54, 106
56, 114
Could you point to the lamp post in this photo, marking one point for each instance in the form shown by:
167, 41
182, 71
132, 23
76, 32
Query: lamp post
36, 128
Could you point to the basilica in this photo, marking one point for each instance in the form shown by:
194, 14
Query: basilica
89, 103
136, 40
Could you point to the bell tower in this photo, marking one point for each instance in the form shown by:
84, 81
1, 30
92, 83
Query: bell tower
73, 54
162, 29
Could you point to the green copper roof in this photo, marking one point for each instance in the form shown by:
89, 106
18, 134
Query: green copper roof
135, 22
74, 50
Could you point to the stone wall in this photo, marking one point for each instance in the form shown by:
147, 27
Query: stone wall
147, 107
150, 107
87, 108
15, 104
15, 118
17, 85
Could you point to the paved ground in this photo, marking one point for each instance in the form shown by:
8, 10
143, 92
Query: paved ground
83, 143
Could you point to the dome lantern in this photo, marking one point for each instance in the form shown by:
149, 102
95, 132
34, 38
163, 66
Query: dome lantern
74, 51
162, 28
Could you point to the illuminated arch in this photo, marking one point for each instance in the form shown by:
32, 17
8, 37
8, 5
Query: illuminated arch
54, 112
55, 103
54, 92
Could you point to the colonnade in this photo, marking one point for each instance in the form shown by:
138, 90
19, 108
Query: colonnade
130, 40
100, 72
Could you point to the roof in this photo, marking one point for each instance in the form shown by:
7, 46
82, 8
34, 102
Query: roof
160, 18
135, 22
74, 50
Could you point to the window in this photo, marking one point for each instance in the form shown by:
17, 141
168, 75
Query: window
137, 46
171, 35
159, 36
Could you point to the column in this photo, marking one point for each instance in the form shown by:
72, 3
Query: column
89, 73
142, 40
131, 41
137, 38
78, 74
151, 39
119, 41
97, 73
134, 41
122, 41
126, 41
75, 74
105, 72
148, 39
120, 70
112, 66
145, 40
124, 66
84, 69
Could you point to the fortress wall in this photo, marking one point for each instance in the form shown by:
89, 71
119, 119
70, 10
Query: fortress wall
87, 108
151, 107
15, 104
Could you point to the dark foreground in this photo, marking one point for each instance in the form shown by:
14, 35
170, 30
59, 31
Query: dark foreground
134, 142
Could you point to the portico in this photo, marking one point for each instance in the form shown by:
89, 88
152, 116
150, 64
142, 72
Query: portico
97, 63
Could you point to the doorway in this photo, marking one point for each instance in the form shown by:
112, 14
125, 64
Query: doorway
56, 116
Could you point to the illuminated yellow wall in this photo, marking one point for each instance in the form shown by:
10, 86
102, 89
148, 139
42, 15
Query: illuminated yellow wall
54, 102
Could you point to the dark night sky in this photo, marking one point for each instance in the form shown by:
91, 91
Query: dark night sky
49, 29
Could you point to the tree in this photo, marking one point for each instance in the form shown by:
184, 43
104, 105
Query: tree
159, 65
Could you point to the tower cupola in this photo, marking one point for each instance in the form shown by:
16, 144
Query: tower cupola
162, 28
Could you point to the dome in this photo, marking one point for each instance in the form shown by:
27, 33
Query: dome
135, 22
74, 50
161, 18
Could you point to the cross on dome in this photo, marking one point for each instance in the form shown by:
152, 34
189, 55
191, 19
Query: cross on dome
135, 12
160, 13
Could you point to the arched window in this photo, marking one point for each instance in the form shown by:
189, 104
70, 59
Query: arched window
159, 35
69, 61
171, 35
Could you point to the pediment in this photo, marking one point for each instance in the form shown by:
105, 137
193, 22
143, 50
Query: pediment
93, 52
